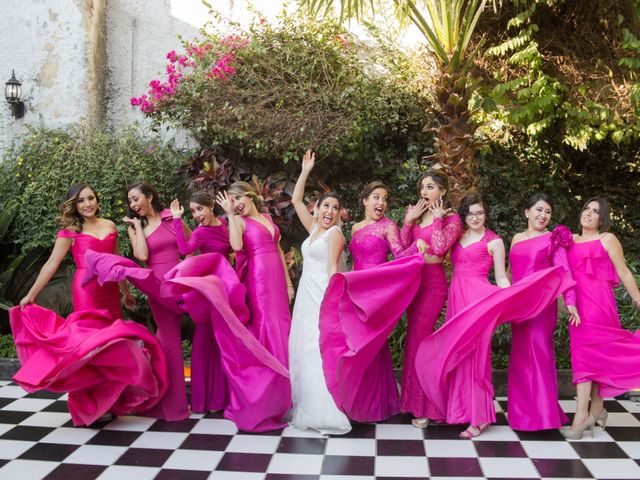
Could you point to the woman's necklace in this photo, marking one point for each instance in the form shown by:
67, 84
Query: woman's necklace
535, 234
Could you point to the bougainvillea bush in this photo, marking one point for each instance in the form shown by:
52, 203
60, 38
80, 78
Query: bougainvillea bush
266, 93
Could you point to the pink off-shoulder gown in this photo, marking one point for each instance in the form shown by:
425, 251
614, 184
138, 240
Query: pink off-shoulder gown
357, 315
424, 310
208, 381
601, 350
91, 295
532, 383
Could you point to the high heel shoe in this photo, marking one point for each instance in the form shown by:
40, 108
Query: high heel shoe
601, 418
571, 434
420, 422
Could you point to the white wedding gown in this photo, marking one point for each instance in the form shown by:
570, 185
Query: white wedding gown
313, 406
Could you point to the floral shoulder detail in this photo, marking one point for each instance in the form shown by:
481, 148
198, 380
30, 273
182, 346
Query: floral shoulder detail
561, 236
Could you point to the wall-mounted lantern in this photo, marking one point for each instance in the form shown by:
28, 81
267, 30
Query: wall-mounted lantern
13, 94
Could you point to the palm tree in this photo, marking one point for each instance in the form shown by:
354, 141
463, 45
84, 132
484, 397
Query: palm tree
448, 26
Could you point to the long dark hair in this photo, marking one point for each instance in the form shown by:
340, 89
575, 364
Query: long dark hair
148, 191
605, 213
439, 178
69, 217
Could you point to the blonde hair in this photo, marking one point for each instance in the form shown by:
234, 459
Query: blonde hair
70, 218
244, 188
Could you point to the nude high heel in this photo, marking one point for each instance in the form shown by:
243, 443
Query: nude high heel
420, 422
571, 434
601, 418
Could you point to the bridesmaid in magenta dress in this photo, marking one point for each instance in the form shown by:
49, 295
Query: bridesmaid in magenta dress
454, 364
257, 383
532, 366
360, 310
433, 230
208, 384
262, 267
604, 356
153, 241
82, 229
472, 257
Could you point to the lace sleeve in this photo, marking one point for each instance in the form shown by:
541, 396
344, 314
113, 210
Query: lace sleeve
446, 232
186, 247
392, 235
406, 234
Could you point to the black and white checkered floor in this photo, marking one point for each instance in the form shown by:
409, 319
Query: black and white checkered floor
38, 441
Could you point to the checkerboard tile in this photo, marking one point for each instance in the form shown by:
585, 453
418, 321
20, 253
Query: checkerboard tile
37, 441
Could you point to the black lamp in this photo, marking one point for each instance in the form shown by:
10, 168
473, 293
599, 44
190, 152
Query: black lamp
13, 93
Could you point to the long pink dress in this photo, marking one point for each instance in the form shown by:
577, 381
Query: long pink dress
91, 295
261, 271
163, 256
208, 384
357, 315
454, 364
532, 366
425, 308
601, 350
105, 364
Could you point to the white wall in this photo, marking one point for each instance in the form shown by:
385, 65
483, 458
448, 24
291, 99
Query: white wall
44, 41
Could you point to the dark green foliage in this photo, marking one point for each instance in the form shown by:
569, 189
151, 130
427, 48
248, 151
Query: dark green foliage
7, 347
41, 167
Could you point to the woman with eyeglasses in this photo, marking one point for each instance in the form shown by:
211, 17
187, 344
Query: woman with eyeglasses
454, 364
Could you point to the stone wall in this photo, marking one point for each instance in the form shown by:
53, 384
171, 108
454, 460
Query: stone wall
80, 61
47, 43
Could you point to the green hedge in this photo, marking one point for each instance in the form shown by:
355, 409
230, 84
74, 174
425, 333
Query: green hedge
40, 167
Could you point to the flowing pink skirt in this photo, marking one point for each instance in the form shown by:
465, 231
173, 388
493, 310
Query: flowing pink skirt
452, 363
106, 365
357, 315
259, 391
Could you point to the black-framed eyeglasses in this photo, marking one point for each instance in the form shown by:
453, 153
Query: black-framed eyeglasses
475, 215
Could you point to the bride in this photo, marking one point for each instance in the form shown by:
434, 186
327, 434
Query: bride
313, 406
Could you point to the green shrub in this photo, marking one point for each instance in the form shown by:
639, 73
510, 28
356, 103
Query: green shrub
42, 165
268, 92
7, 347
